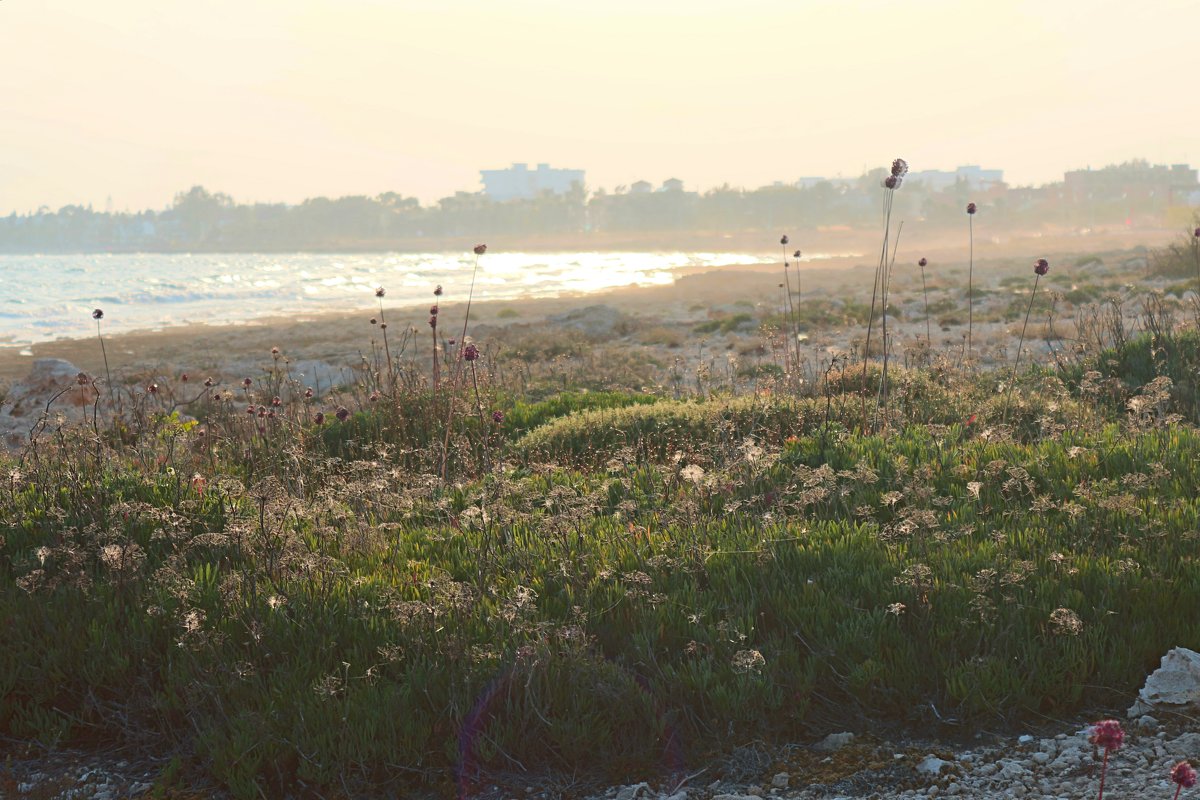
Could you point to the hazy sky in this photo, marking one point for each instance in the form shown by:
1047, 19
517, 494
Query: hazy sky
285, 99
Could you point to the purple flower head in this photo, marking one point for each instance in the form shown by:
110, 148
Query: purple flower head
208, 383
98, 314
470, 352
438, 291
1183, 774
783, 240
319, 418
452, 342
1107, 733
1041, 266
380, 292
971, 208
433, 322
250, 409
433, 311
343, 413
924, 262
152, 389
275, 401
246, 382
82, 379
899, 168
1196, 233
184, 377
480, 249
796, 254
308, 393
892, 182
497, 417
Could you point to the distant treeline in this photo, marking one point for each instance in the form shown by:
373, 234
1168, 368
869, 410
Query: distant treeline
199, 220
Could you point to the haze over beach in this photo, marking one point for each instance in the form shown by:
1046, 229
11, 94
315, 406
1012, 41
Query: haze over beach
612, 401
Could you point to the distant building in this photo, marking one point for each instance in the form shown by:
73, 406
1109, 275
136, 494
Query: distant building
972, 176
672, 185
519, 182
641, 187
1133, 181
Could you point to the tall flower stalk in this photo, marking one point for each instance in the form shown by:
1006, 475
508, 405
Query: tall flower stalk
787, 306
970, 277
1107, 734
479, 250
1040, 268
433, 323
98, 314
1196, 257
387, 353
925, 290
890, 184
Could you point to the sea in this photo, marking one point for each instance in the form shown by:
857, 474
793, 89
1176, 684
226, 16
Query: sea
47, 297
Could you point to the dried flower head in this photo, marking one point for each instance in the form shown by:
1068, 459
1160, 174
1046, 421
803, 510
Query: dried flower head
899, 168
82, 379
480, 249
208, 383
971, 208
470, 352
343, 413
98, 314
275, 352
1183, 773
1041, 266
438, 291
796, 254
380, 292
276, 401
1107, 733
892, 182
308, 393
783, 240
433, 322
924, 262
152, 389
319, 418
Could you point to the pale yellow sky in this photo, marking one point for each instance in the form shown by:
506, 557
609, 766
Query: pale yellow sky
285, 99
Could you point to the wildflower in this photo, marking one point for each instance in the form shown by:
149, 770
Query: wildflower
892, 182
275, 401
433, 311
1182, 773
208, 383
308, 393
971, 208
480, 249
275, 352
783, 240
373, 396
745, 661
1041, 266
82, 379
1197, 233
184, 377
1107, 733
247, 382
924, 262
97, 314
497, 417
250, 409
342, 414
380, 292
452, 342
319, 418
152, 389
899, 168
383, 326
796, 254
896, 608
438, 291
433, 322
470, 352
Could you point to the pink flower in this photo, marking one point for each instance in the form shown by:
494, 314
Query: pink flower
1107, 733
343, 413
470, 352
971, 208
480, 249
1183, 774
899, 168
923, 262
98, 314
1041, 266
783, 240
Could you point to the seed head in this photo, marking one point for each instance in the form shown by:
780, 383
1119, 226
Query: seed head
924, 262
1041, 266
98, 314
470, 352
783, 240
899, 168
1183, 774
1107, 733
380, 292
275, 352
343, 413
971, 208
275, 401
480, 249
374, 321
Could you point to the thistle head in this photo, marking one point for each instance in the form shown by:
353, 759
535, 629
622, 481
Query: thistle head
82, 379
433, 321
1041, 266
184, 377
98, 314
480, 249
1183, 774
971, 208
1107, 733
308, 393
924, 262
783, 239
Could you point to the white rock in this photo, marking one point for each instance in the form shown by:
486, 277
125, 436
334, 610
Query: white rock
781, 780
1175, 684
633, 792
833, 742
1186, 746
932, 765
1025, 738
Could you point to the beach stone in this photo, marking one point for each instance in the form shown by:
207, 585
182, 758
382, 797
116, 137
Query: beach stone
633, 792
1175, 684
932, 765
781, 780
834, 742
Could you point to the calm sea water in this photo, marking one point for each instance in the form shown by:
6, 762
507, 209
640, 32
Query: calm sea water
50, 297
